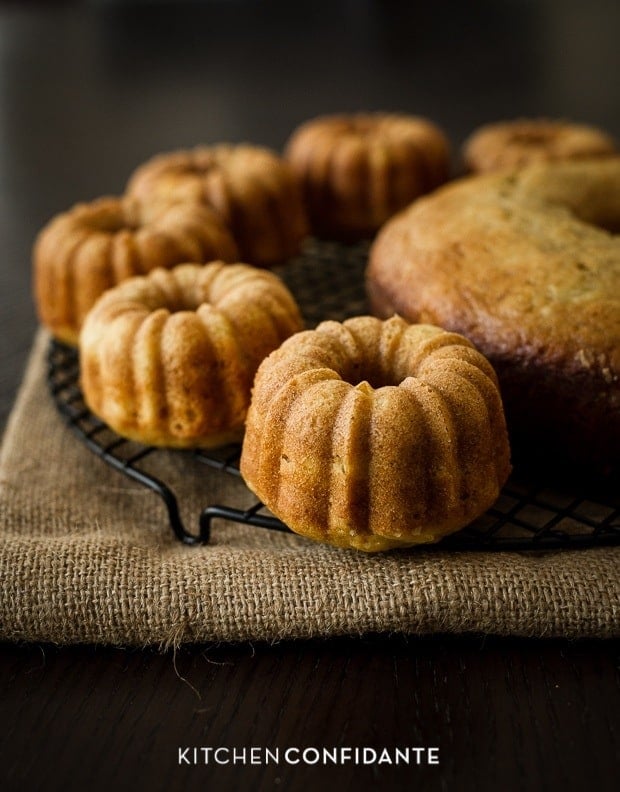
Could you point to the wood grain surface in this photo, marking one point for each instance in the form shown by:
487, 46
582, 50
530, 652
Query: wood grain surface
87, 92
504, 714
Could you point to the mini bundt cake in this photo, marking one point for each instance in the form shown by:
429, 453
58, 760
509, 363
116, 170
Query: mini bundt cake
169, 358
376, 435
81, 253
523, 263
515, 144
358, 170
252, 189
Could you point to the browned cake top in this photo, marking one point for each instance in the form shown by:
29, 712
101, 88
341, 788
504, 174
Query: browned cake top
519, 261
514, 144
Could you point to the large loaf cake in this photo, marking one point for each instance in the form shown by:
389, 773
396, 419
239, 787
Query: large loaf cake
527, 265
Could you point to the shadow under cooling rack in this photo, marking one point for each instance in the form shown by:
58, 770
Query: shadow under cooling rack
327, 281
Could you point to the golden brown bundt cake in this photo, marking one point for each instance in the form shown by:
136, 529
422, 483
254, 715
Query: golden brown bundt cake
168, 359
92, 247
376, 435
253, 190
522, 264
358, 170
515, 144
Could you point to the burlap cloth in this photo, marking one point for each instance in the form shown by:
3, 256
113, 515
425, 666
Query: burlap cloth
87, 556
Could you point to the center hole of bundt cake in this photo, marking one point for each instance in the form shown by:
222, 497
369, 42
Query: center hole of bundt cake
373, 375
123, 220
185, 293
534, 137
611, 224
598, 216
197, 170
184, 301
199, 167
363, 127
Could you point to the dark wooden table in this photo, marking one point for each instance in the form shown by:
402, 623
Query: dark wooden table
88, 92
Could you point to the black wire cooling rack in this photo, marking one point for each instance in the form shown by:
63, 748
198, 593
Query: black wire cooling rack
327, 280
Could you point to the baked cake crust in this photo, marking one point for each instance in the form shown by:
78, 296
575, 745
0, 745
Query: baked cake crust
358, 170
514, 144
252, 189
522, 265
376, 435
94, 246
169, 358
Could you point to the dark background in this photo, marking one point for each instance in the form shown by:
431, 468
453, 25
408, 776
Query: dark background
87, 92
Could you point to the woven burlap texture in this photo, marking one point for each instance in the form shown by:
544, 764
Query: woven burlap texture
87, 556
